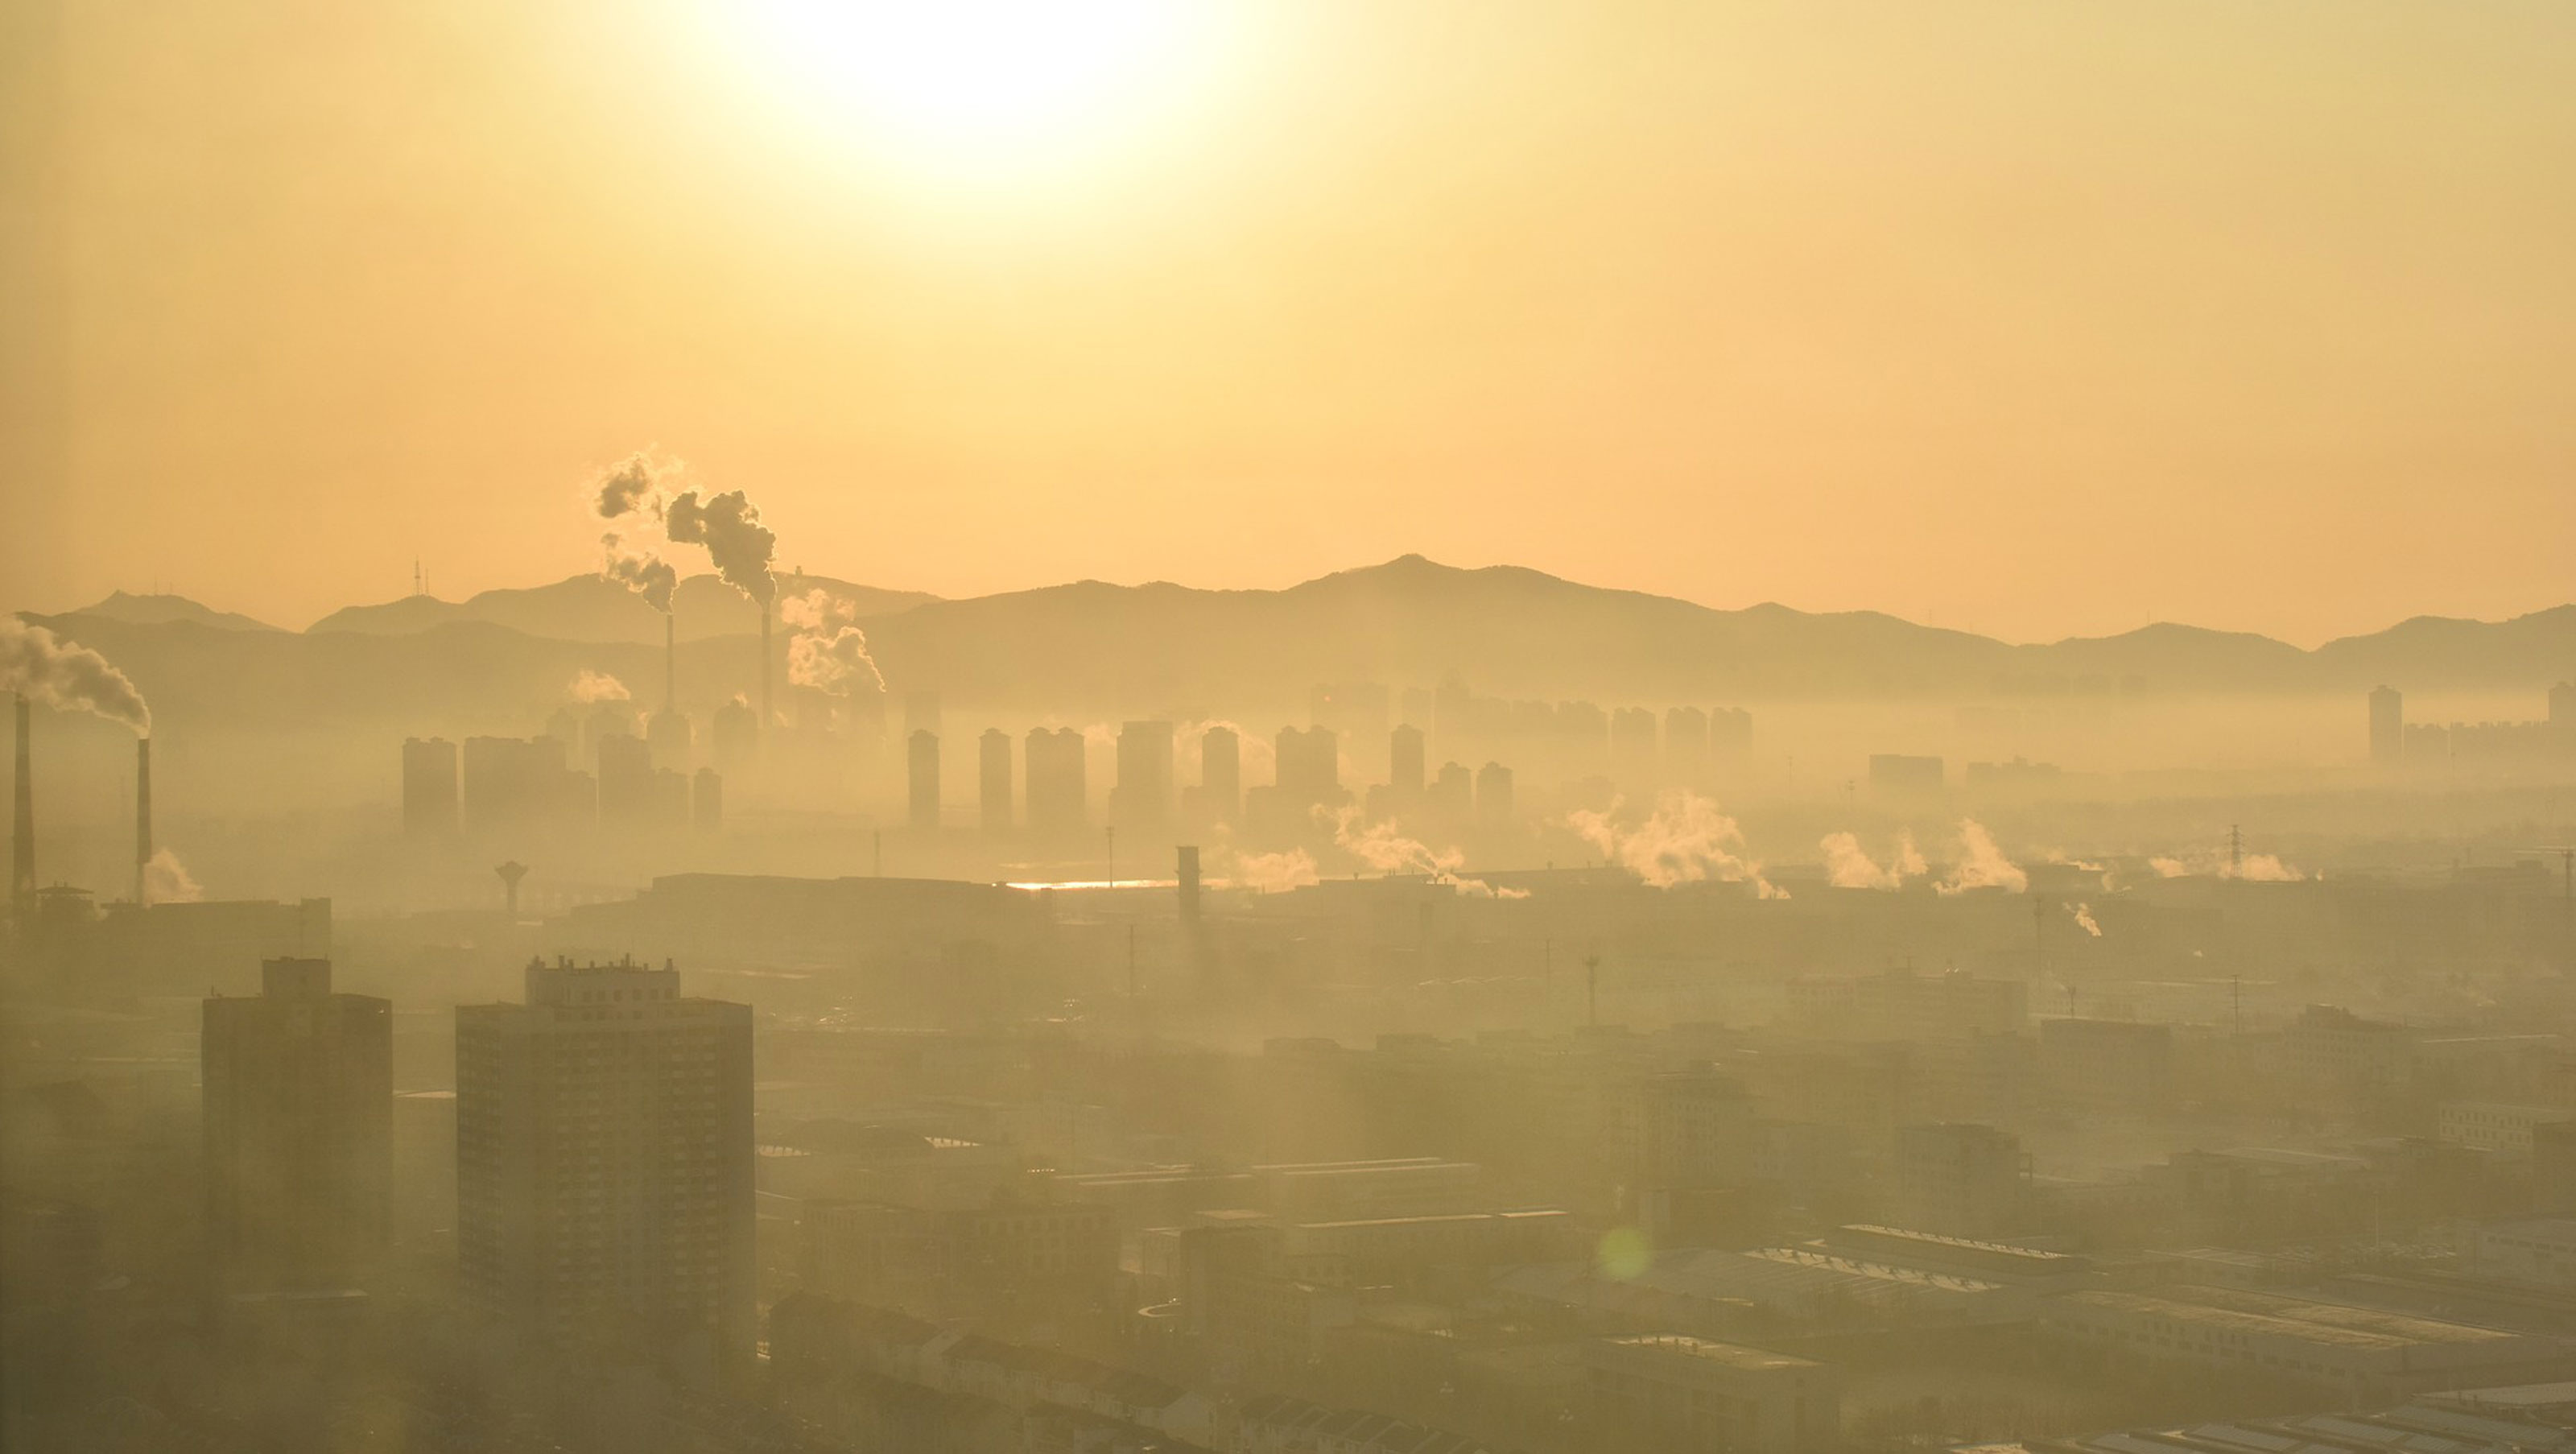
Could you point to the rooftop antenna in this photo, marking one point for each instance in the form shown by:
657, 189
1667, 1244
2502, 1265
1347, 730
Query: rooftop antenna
511, 873
419, 586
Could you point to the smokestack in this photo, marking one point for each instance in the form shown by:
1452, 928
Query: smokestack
22, 837
142, 813
670, 663
765, 717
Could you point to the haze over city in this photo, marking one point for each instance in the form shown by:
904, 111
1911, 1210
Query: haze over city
1135, 727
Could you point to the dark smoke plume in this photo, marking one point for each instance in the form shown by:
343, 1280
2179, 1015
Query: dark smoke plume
633, 499
53, 671
728, 525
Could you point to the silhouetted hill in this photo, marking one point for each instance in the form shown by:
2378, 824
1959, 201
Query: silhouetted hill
1095, 648
160, 610
590, 608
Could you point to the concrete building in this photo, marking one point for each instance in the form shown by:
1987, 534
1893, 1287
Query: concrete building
2387, 726
604, 1160
1220, 789
1494, 795
2363, 1355
1404, 770
1895, 774
1142, 796
520, 785
1058, 797
1636, 755
430, 784
1691, 1393
1686, 746
993, 780
921, 779
1959, 1179
2538, 1253
1309, 766
2495, 1126
298, 1133
1730, 735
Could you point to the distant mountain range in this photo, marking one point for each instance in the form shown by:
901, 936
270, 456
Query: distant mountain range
1094, 648
593, 609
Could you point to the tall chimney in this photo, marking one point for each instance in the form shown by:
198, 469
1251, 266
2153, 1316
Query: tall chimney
670, 663
142, 813
1189, 885
22, 836
765, 717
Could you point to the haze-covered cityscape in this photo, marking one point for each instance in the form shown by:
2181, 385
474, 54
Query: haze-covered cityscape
1485, 958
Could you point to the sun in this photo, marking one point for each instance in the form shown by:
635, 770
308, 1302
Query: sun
982, 86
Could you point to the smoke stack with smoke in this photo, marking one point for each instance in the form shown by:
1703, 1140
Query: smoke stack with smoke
632, 499
142, 815
728, 525
22, 835
36, 663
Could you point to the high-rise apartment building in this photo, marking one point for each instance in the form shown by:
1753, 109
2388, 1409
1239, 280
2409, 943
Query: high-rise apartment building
298, 1127
921, 774
1057, 783
1220, 775
2388, 726
993, 779
430, 781
1143, 795
604, 1160
1404, 764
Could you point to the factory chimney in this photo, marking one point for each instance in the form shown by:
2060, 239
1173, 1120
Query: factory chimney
765, 717
22, 836
142, 813
670, 663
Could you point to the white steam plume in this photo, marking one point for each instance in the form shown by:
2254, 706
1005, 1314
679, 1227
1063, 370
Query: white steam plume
166, 881
1272, 873
1848, 867
1685, 840
1385, 848
728, 525
45, 668
2253, 868
589, 686
827, 652
2084, 919
1981, 865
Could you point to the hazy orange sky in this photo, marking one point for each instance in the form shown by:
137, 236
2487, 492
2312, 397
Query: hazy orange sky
2034, 319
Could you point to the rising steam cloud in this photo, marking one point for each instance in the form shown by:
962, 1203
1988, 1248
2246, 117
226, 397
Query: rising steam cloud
2252, 868
2083, 915
827, 653
728, 525
1272, 873
45, 668
1685, 840
589, 686
1385, 848
167, 881
1848, 866
1981, 865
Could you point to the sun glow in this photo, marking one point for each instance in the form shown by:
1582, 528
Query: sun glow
983, 87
